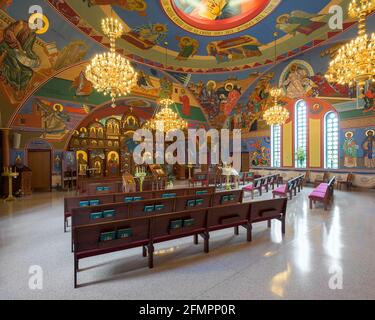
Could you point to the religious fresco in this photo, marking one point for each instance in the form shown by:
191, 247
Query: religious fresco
219, 97
234, 49
52, 120
147, 35
259, 150
171, 18
217, 17
28, 56
139, 6
358, 148
188, 47
299, 22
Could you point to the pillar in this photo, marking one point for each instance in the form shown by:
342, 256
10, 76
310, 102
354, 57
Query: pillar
6, 148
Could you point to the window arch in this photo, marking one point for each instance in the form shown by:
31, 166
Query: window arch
331, 141
301, 134
276, 146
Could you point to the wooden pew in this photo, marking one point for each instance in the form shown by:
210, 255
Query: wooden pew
145, 232
268, 211
94, 200
174, 226
102, 238
323, 193
291, 188
229, 216
260, 183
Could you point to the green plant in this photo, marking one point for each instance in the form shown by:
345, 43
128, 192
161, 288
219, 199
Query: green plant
301, 155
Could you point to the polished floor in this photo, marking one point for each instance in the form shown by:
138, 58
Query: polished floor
320, 251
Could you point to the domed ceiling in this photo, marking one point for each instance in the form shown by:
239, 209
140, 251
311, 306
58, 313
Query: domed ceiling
206, 35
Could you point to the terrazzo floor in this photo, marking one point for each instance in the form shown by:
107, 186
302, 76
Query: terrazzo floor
320, 251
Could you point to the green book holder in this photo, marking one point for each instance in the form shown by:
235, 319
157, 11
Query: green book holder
176, 224
109, 213
96, 215
124, 233
107, 236
84, 203
189, 223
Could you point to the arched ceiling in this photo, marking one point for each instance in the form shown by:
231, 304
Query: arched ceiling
202, 40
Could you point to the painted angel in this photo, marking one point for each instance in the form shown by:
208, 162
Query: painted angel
299, 22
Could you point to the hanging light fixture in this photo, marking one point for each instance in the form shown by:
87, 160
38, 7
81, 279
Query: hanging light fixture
276, 114
164, 118
355, 61
109, 72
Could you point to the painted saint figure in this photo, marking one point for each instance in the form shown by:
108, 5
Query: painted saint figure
184, 99
350, 151
113, 164
188, 47
299, 21
17, 58
368, 147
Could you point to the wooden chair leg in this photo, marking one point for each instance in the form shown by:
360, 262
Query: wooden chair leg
150, 255
144, 251
236, 230
76, 266
310, 204
283, 225
269, 224
196, 240
249, 232
206, 237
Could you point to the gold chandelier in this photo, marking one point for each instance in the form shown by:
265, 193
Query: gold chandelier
109, 72
165, 119
355, 61
276, 115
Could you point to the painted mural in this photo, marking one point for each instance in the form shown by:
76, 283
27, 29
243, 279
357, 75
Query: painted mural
139, 6
147, 36
299, 21
358, 148
259, 151
234, 49
217, 17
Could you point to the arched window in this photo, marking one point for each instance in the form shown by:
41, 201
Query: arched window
301, 134
331, 141
276, 146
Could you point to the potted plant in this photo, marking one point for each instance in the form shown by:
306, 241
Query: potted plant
301, 156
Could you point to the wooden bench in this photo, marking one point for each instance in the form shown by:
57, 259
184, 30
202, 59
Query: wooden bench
260, 183
145, 232
94, 200
291, 188
323, 193
125, 210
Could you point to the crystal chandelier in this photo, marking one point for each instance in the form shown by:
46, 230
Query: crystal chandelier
276, 115
355, 61
165, 119
109, 72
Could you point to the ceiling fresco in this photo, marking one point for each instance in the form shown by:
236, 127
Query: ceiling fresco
218, 65
208, 35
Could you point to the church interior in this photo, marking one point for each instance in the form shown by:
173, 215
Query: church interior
292, 83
